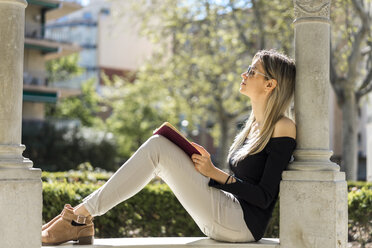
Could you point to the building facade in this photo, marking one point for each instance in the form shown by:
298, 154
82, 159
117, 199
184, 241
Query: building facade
37, 50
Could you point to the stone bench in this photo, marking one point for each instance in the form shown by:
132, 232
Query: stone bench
188, 242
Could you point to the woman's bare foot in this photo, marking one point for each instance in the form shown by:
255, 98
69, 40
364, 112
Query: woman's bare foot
81, 210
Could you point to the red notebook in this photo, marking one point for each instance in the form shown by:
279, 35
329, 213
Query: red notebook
171, 133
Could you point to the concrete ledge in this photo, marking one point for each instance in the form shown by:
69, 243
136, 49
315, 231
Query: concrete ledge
188, 242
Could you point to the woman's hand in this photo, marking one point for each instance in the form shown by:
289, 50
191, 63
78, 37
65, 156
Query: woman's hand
203, 163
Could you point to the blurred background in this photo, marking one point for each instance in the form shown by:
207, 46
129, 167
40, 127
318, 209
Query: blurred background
100, 76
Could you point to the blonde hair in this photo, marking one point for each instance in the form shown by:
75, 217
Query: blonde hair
280, 67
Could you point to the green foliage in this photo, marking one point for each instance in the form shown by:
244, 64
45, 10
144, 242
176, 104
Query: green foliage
202, 70
53, 149
82, 175
360, 213
355, 185
84, 107
63, 68
272, 230
346, 22
202, 47
138, 108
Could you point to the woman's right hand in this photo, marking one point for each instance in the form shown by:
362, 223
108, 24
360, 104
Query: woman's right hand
203, 163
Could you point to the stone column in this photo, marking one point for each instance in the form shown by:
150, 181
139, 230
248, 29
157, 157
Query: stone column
20, 184
313, 192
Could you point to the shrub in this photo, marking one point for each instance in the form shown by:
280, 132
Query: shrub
360, 214
55, 148
86, 174
272, 230
352, 185
154, 211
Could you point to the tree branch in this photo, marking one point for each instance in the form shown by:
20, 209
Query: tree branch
368, 86
239, 26
355, 54
334, 78
368, 67
257, 13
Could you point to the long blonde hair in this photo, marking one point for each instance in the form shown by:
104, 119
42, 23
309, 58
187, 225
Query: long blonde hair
280, 67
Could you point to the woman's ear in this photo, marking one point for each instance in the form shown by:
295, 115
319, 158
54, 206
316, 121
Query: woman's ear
271, 84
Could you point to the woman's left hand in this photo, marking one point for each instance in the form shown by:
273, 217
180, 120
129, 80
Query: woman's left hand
202, 162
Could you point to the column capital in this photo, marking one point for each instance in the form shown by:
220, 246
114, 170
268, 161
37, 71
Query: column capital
312, 9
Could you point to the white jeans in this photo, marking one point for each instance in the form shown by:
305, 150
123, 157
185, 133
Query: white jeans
217, 213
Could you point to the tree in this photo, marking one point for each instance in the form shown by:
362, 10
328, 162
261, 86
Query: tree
138, 108
84, 107
351, 70
206, 46
63, 68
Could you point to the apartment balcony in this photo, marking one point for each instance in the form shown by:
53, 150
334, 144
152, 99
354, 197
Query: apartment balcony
37, 89
37, 14
55, 8
77, 81
51, 49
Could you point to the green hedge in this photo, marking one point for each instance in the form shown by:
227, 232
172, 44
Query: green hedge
354, 185
85, 174
155, 211
55, 148
360, 213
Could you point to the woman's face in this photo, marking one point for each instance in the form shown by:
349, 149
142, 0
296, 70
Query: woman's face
253, 84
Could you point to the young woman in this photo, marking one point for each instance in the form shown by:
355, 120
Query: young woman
233, 208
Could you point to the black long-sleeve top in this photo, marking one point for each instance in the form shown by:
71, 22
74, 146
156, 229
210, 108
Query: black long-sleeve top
257, 182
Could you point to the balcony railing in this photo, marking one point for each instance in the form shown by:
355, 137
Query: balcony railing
37, 78
76, 82
34, 30
42, 32
81, 32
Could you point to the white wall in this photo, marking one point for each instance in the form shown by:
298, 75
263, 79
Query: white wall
120, 45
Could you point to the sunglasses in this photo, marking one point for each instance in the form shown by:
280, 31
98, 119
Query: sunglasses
251, 70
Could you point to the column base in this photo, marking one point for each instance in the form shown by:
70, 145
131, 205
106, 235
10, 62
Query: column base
11, 157
313, 209
20, 207
20, 163
313, 160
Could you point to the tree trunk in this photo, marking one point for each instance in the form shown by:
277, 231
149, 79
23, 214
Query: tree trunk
349, 161
203, 133
223, 148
